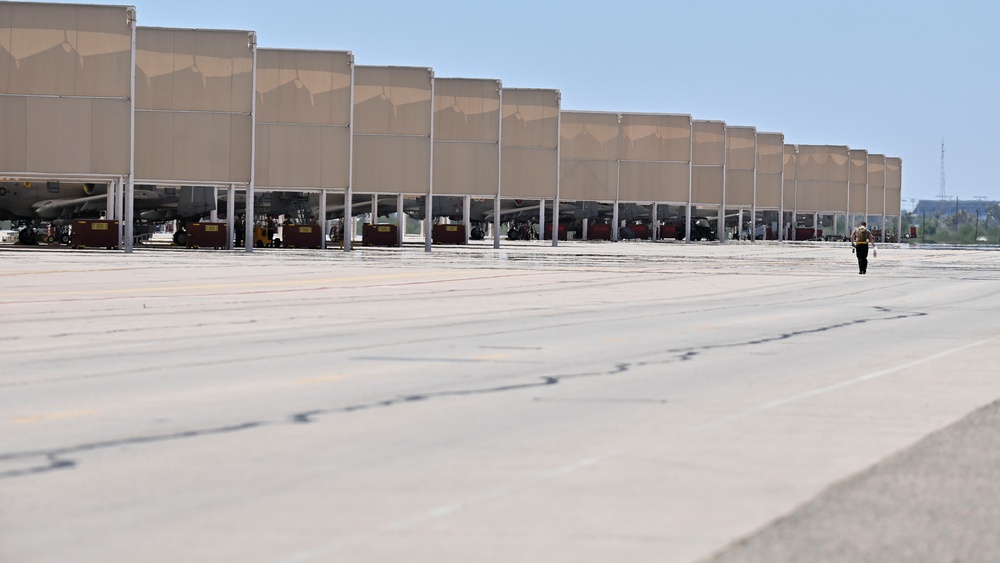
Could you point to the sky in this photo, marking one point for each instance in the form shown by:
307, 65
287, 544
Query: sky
892, 77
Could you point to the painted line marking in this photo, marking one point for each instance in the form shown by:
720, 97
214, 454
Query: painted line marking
323, 379
491, 357
31, 419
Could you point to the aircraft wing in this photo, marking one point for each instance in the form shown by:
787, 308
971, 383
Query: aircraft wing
53, 208
564, 208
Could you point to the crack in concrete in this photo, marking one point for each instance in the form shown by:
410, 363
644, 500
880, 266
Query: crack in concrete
54, 458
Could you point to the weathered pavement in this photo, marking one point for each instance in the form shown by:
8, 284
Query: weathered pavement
594, 402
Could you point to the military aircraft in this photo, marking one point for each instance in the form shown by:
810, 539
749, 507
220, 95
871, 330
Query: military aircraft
30, 203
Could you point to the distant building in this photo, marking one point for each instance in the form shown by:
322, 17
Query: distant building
949, 207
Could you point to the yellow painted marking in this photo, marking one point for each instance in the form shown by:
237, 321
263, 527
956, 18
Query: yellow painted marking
54, 416
324, 379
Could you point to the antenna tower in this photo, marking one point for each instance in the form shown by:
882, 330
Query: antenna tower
943, 194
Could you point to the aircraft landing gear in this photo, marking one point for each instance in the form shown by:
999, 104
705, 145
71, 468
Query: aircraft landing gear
180, 237
28, 235
521, 231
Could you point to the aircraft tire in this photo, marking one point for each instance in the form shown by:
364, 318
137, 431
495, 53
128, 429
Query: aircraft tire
27, 236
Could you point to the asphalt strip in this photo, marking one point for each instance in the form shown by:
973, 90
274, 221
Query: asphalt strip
938, 500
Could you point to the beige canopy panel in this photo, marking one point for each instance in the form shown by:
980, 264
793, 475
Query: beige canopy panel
666, 182
741, 158
466, 136
588, 156
530, 146
392, 100
303, 119
194, 97
393, 107
65, 82
588, 180
708, 143
858, 181
708, 161
893, 185
656, 158
822, 177
770, 163
656, 137
586, 135
876, 184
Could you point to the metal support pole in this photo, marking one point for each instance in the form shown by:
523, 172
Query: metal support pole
348, 222
213, 216
687, 220
496, 201
655, 222
252, 39
429, 215
555, 202
466, 212
618, 184
323, 227
231, 216
720, 229
400, 221
110, 196
129, 217
885, 178
753, 203
129, 191
615, 220
541, 219
496, 222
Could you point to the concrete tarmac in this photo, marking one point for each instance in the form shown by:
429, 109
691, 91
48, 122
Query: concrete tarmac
591, 402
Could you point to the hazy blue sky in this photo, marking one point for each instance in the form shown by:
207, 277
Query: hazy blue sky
893, 77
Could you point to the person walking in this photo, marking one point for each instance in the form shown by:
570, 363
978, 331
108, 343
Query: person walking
861, 240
